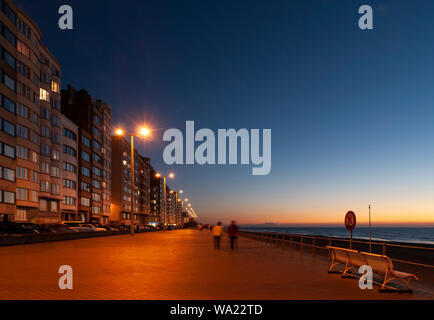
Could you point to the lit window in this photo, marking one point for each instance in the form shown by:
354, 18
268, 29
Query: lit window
55, 86
44, 95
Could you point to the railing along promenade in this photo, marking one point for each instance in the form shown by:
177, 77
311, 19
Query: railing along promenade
419, 253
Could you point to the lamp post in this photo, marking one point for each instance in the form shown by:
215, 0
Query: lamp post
144, 132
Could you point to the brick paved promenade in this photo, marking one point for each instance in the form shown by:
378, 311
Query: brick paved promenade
173, 265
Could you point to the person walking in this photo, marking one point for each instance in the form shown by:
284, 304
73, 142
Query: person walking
217, 232
233, 233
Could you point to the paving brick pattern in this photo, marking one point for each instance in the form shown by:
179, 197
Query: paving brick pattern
173, 265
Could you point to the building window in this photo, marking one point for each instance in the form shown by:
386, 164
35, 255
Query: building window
22, 173
45, 168
35, 176
45, 114
85, 141
8, 174
54, 206
55, 86
96, 171
44, 95
85, 186
68, 133
45, 186
85, 202
96, 184
69, 150
55, 189
9, 82
85, 171
70, 201
8, 127
10, 14
9, 59
45, 132
96, 145
43, 205
7, 151
45, 149
23, 49
34, 196
22, 215
22, 194
55, 121
69, 167
96, 210
55, 155
8, 105
85, 156
9, 36
55, 172
69, 184
96, 197
55, 137
23, 28
8, 197
23, 111
22, 132
22, 152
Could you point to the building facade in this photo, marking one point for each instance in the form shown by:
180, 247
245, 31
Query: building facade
93, 118
155, 198
30, 125
122, 212
69, 188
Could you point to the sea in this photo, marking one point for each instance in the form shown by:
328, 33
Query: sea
423, 235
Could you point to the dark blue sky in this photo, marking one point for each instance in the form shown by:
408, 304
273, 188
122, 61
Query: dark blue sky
351, 111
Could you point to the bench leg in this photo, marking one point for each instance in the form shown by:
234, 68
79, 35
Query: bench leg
406, 282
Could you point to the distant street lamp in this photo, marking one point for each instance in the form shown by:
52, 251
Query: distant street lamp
142, 132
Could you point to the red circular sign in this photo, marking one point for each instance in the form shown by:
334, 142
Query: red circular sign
350, 221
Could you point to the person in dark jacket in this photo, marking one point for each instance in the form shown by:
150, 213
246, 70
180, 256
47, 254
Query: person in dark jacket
233, 234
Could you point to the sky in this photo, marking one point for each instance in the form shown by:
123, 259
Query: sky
351, 111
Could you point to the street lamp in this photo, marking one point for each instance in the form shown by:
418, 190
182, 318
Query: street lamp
171, 176
142, 132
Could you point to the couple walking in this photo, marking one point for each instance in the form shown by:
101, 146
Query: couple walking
217, 232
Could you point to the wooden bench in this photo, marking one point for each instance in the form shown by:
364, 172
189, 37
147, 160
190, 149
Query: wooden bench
380, 264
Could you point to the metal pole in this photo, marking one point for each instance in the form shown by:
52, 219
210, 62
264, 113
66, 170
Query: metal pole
165, 203
132, 186
370, 231
176, 209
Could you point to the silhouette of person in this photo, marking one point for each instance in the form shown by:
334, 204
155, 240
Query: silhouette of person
233, 233
217, 232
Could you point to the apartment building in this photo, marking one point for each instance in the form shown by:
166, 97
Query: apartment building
93, 119
170, 206
30, 126
122, 211
69, 189
155, 198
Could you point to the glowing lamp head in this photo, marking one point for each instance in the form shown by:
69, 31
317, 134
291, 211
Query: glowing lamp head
158, 175
119, 132
144, 132
171, 175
